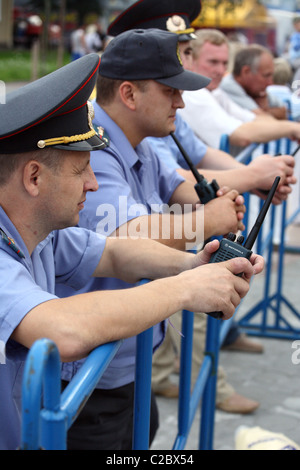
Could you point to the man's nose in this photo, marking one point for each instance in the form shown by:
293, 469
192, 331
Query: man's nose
91, 183
178, 99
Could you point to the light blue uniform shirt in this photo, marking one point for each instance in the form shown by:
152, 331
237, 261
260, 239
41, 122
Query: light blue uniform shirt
67, 256
294, 46
131, 183
168, 152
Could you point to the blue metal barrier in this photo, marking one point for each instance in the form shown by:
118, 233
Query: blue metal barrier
46, 425
142, 391
271, 320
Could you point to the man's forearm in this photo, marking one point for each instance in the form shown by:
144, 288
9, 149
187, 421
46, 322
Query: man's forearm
264, 130
215, 159
134, 259
79, 323
240, 178
178, 231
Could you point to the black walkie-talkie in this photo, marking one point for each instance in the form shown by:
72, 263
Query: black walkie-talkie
205, 191
229, 248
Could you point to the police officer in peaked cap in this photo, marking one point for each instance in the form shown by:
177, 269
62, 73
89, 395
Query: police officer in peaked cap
46, 135
175, 16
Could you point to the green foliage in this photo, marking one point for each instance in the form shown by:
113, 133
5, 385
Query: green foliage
16, 65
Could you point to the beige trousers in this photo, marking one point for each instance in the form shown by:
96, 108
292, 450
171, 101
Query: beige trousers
164, 357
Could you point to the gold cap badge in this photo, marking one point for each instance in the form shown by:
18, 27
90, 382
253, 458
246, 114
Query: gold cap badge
175, 23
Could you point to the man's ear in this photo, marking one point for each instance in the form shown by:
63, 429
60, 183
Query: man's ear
32, 177
245, 71
127, 94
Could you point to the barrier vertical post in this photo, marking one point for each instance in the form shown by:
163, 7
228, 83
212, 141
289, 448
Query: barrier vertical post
142, 388
185, 379
42, 362
209, 395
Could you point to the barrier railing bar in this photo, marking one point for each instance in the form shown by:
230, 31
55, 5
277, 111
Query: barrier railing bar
75, 395
194, 401
289, 221
245, 155
47, 427
85, 380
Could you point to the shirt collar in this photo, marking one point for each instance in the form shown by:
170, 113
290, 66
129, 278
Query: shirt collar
11, 232
116, 135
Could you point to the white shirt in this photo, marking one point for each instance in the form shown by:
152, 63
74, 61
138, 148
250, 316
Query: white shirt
212, 114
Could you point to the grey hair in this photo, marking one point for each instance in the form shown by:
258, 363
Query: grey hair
283, 73
248, 55
213, 36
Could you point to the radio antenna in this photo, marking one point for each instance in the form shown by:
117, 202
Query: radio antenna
193, 169
261, 216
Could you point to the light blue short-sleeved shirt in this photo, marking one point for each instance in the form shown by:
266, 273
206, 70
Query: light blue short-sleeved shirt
168, 152
65, 256
294, 46
132, 182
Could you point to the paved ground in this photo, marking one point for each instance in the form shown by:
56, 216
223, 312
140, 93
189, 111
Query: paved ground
271, 378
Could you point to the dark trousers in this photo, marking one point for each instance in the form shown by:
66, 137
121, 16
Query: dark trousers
106, 421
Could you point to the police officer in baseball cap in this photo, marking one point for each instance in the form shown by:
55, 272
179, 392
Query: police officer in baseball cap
177, 16
149, 54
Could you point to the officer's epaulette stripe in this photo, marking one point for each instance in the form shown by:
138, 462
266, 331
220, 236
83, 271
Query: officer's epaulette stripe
11, 243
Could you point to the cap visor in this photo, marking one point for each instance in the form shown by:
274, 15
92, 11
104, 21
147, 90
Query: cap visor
183, 37
94, 143
185, 80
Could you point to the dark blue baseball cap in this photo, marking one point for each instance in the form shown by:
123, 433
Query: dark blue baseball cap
149, 54
170, 15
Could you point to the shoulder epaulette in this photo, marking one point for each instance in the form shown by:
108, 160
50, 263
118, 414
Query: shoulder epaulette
11, 243
102, 134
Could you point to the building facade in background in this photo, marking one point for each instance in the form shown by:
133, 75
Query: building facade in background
283, 12
268, 22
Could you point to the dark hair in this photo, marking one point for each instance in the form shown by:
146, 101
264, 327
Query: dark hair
108, 87
9, 163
